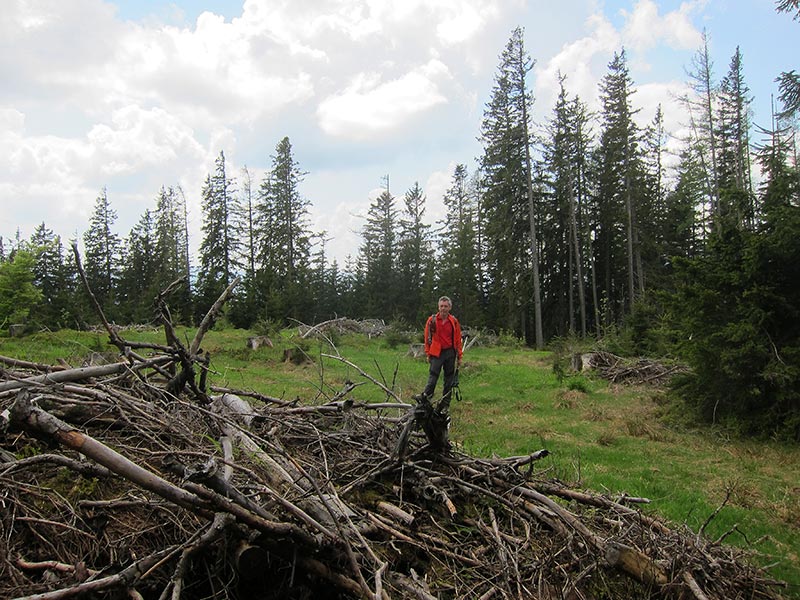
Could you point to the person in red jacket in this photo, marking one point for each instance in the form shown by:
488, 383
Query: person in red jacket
443, 349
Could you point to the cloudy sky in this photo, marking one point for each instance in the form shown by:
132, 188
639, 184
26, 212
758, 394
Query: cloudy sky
137, 94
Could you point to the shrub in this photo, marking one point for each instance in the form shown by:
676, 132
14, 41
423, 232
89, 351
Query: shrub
737, 308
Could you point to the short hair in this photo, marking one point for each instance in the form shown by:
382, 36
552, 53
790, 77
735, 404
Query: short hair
446, 299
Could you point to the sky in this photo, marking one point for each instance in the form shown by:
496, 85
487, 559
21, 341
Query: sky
132, 95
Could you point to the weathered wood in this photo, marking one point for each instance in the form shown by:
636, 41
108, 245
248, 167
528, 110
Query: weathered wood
231, 404
396, 512
24, 364
250, 560
323, 325
79, 571
210, 316
693, 586
124, 579
85, 469
34, 419
634, 563
79, 374
255, 342
16, 330
365, 375
416, 350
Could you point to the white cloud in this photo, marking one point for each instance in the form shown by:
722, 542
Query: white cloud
461, 21
581, 61
435, 188
645, 27
215, 73
370, 106
12, 122
644, 35
138, 139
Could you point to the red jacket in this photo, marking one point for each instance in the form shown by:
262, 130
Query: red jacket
432, 345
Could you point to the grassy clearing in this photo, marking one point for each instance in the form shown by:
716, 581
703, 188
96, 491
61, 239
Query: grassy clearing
610, 439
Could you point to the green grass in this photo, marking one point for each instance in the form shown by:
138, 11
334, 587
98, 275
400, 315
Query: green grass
609, 439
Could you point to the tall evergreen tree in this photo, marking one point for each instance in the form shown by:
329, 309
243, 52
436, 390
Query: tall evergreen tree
414, 256
458, 274
285, 237
248, 225
324, 281
171, 240
54, 279
681, 231
620, 191
790, 80
218, 249
378, 255
508, 201
781, 185
102, 248
653, 210
563, 234
244, 308
737, 198
701, 106
138, 284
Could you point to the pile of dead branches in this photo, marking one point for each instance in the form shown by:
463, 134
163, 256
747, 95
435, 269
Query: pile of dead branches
368, 327
133, 479
110, 483
631, 370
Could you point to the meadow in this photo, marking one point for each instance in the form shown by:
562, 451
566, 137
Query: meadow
612, 439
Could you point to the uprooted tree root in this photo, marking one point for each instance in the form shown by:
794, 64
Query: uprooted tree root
128, 480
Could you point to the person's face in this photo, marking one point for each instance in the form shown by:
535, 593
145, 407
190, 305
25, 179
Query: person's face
444, 308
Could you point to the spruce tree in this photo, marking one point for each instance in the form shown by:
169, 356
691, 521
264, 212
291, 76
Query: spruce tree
102, 248
701, 107
17, 290
245, 305
378, 255
415, 253
620, 191
457, 273
285, 237
53, 278
682, 231
789, 81
172, 249
218, 247
138, 284
508, 201
564, 259
737, 199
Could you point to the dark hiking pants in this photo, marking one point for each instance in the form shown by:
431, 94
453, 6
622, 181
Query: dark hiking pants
446, 359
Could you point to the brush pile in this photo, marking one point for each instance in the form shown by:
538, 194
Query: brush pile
629, 370
135, 480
